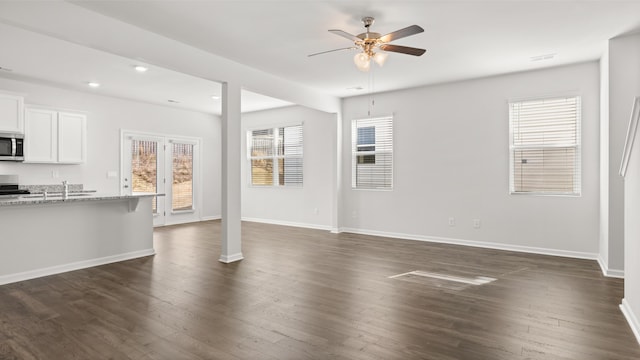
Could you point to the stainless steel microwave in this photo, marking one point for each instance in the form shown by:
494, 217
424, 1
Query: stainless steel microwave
11, 147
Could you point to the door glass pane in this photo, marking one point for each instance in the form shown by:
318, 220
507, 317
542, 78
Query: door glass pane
144, 168
182, 187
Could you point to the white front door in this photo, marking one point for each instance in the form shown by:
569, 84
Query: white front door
163, 165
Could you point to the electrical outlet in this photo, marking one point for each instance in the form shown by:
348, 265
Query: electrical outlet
476, 223
354, 214
55, 174
452, 221
112, 174
316, 211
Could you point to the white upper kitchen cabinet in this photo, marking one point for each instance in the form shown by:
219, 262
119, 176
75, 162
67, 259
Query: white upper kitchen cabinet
54, 136
41, 136
11, 113
72, 137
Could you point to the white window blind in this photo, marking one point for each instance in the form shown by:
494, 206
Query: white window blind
545, 146
275, 156
372, 153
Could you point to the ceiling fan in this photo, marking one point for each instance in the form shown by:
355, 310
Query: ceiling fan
368, 42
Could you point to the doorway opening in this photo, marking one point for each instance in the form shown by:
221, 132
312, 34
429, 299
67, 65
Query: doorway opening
161, 164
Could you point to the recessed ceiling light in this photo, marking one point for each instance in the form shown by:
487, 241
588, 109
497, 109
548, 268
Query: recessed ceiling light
173, 101
356, 88
5, 69
215, 97
93, 84
140, 68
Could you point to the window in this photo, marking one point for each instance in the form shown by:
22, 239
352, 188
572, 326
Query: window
366, 142
275, 155
372, 148
545, 146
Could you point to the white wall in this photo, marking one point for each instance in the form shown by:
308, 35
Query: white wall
106, 116
631, 301
295, 205
624, 86
451, 159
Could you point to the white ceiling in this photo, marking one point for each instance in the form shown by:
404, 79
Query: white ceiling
463, 40
38, 58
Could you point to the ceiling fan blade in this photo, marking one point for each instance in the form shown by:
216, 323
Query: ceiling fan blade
399, 34
345, 34
403, 49
328, 51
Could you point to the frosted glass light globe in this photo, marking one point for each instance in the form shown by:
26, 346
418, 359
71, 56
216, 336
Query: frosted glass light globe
362, 61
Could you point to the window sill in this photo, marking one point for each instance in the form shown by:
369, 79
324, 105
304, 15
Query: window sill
369, 189
177, 212
546, 194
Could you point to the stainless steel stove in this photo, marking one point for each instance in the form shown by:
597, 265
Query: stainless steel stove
9, 186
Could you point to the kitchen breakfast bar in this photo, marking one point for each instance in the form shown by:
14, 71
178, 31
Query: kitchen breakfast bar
43, 236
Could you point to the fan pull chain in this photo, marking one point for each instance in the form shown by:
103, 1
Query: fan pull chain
371, 100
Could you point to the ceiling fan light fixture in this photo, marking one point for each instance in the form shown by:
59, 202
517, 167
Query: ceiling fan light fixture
380, 58
368, 42
362, 61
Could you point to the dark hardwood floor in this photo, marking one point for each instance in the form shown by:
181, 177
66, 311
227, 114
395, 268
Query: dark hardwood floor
309, 294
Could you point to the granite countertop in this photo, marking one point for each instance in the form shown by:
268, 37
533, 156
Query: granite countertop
33, 199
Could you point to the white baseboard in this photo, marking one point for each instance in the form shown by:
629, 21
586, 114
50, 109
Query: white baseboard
231, 258
609, 272
58, 269
480, 244
208, 218
289, 223
188, 221
631, 318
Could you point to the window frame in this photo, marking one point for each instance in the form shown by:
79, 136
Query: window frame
275, 156
380, 148
577, 146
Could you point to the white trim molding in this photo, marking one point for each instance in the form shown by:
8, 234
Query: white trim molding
631, 318
479, 244
230, 258
58, 269
631, 135
609, 272
209, 218
289, 223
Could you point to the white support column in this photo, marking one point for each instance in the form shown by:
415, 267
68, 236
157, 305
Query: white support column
336, 220
231, 162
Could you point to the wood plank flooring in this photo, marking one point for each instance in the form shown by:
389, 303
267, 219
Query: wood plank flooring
309, 294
